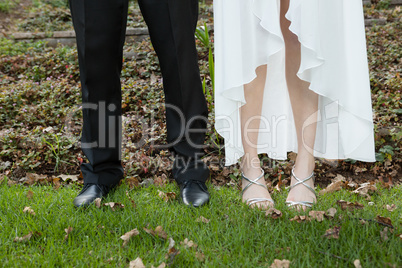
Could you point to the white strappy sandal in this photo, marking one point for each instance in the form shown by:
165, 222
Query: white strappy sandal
303, 182
255, 200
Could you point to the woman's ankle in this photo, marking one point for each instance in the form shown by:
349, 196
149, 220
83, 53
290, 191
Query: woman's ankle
304, 166
251, 167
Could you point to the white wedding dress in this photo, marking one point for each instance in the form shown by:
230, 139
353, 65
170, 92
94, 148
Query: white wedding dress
333, 61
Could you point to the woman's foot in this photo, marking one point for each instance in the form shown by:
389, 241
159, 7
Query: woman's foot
301, 195
254, 189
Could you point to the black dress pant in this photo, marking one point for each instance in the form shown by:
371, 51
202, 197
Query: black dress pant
100, 27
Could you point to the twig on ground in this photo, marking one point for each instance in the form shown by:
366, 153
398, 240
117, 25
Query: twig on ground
333, 255
381, 223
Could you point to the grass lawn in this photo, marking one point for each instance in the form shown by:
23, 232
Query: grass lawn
40, 125
235, 235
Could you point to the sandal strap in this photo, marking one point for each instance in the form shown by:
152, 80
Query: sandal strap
251, 182
297, 203
252, 201
303, 182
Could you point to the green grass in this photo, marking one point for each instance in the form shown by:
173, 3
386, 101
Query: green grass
236, 236
44, 81
7, 5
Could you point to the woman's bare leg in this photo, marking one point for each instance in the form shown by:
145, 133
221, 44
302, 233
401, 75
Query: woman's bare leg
250, 115
304, 105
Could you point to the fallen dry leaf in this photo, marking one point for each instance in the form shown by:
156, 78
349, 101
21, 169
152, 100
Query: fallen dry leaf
386, 185
33, 178
133, 204
366, 189
225, 172
158, 232
56, 183
280, 264
161, 180
171, 243
218, 180
279, 184
68, 231
147, 182
29, 210
202, 219
292, 156
350, 185
167, 196
172, 253
273, 213
97, 202
137, 263
200, 256
299, 218
359, 170
113, 205
132, 182
188, 243
316, 215
330, 213
384, 220
357, 264
330, 175
332, 233
337, 184
30, 194
154, 78
48, 129
162, 265
349, 205
215, 167
384, 234
27, 237
11, 182
126, 237
391, 207
66, 178
23, 238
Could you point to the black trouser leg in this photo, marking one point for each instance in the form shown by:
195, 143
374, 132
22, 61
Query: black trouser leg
100, 27
172, 25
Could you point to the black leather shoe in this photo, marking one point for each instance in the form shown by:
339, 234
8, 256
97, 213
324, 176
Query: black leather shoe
89, 193
194, 193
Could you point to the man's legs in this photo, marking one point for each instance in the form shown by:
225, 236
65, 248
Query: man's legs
172, 26
100, 27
